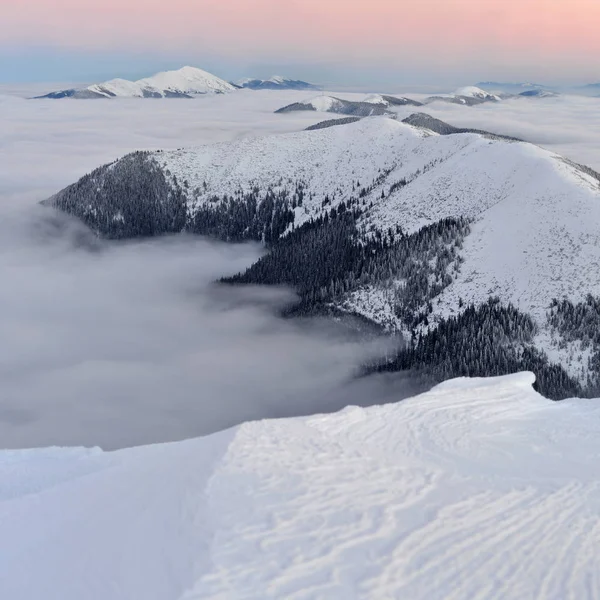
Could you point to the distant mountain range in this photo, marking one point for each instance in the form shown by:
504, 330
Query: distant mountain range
481, 251
538, 94
275, 83
183, 83
377, 104
510, 87
186, 82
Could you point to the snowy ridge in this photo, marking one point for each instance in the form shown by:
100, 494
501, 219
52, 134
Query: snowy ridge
469, 491
534, 233
332, 104
475, 92
469, 96
185, 82
390, 100
277, 82
518, 250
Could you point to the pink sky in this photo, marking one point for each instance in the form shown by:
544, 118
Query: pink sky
558, 34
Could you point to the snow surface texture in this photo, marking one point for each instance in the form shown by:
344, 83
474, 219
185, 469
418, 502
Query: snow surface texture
187, 81
477, 489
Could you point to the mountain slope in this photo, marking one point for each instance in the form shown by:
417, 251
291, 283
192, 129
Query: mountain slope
510, 88
391, 100
468, 96
369, 218
183, 83
472, 489
276, 83
339, 106
538, 94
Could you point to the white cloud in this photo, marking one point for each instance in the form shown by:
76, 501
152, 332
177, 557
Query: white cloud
118, 344
566, 124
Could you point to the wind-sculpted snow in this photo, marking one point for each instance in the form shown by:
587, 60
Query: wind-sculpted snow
477, 489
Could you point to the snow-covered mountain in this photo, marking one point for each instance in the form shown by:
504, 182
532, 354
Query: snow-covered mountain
446, 222
509, 88
183, 83
469, 96
332, 104
538, 94
391, 100
276, 83
476, 489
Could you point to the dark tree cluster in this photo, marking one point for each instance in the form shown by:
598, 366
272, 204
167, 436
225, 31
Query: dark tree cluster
127, 199
326, 258
580, 323
255, 215
483, 341
332, 123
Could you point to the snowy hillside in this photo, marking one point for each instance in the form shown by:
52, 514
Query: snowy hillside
538, 94
185, 82
276, 83
477, 489
533, 235
331, 104
510, 88
475, 92
468, 96
391, 100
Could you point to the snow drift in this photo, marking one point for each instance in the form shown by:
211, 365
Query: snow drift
477, 489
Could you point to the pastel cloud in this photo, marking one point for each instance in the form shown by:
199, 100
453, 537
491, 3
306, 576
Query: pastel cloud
556, 33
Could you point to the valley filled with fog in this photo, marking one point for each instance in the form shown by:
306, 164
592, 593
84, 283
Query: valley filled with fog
124, 343
118, 344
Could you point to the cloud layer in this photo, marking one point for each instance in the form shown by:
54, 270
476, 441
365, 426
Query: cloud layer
117, 344
123, 344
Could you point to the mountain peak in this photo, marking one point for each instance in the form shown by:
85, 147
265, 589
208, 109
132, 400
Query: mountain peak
185, 82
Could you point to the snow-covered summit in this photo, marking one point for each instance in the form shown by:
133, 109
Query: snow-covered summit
475, 92
471, 490
324, 103
386, 100
468, 96
183, 83
187, 80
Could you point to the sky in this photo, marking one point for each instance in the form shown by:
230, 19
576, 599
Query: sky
339, 41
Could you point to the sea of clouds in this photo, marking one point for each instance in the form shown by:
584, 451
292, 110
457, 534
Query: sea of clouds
118, 344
